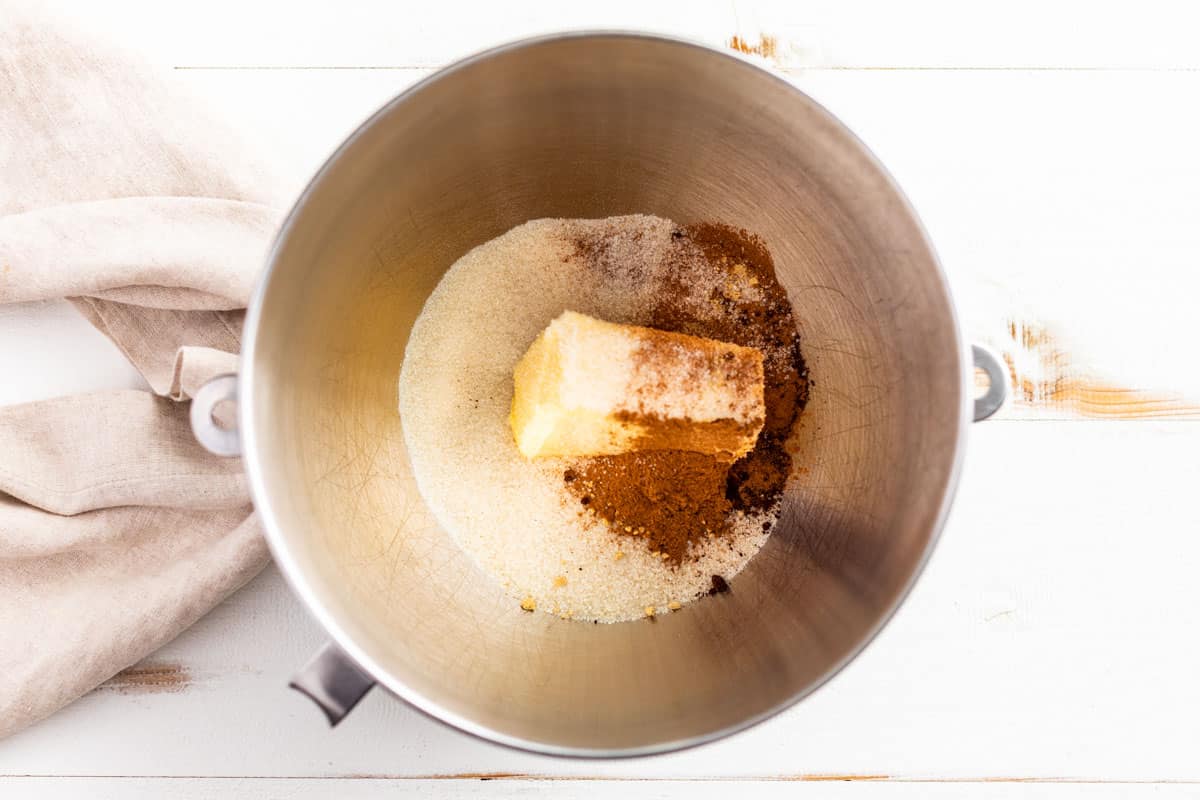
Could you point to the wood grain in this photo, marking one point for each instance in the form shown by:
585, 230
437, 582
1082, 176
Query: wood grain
767, 46
1047, 377
149, 677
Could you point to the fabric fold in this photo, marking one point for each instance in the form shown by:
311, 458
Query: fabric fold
30, 533
158, 252
137, 449
159, 341
117, 530
106, 608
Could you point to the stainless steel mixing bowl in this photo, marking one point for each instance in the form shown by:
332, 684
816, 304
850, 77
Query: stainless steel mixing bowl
591, 126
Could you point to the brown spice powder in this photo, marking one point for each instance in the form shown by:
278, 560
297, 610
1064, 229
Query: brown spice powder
668, 497
674, 499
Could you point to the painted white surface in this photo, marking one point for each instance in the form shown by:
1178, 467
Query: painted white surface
1050, 149
356, 789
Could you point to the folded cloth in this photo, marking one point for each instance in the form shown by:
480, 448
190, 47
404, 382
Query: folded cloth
117, 531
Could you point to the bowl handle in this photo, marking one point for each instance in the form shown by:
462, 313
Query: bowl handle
997, 375
333, 682
213, 437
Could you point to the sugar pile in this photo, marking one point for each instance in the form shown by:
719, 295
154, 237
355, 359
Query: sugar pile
511, 515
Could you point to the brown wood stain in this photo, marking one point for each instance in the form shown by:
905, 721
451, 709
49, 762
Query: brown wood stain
1045, 376
149, 678
767, 46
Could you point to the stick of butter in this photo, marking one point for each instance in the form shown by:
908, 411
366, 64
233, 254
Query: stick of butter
586, 387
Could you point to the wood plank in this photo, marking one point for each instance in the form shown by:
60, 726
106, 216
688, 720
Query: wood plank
1061, 205
353, 789
818, 34
1045, 633
1111, 345
1026, 180
1071, 247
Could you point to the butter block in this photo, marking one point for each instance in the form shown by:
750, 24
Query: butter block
587, 387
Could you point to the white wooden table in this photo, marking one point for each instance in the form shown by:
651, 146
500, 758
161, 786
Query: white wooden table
1050, 650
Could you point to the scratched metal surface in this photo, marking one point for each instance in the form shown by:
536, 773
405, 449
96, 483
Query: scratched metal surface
1054, 166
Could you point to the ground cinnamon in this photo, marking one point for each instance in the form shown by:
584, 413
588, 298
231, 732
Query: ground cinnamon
675, 499
667, 497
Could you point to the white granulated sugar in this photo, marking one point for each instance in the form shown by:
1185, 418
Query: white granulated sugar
511, 515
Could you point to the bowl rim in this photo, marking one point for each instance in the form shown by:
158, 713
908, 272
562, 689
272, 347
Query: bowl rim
277, 539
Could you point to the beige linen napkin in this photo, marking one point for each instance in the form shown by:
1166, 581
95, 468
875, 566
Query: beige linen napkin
117, 531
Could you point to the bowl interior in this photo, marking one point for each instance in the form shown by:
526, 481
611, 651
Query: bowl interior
592, 126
